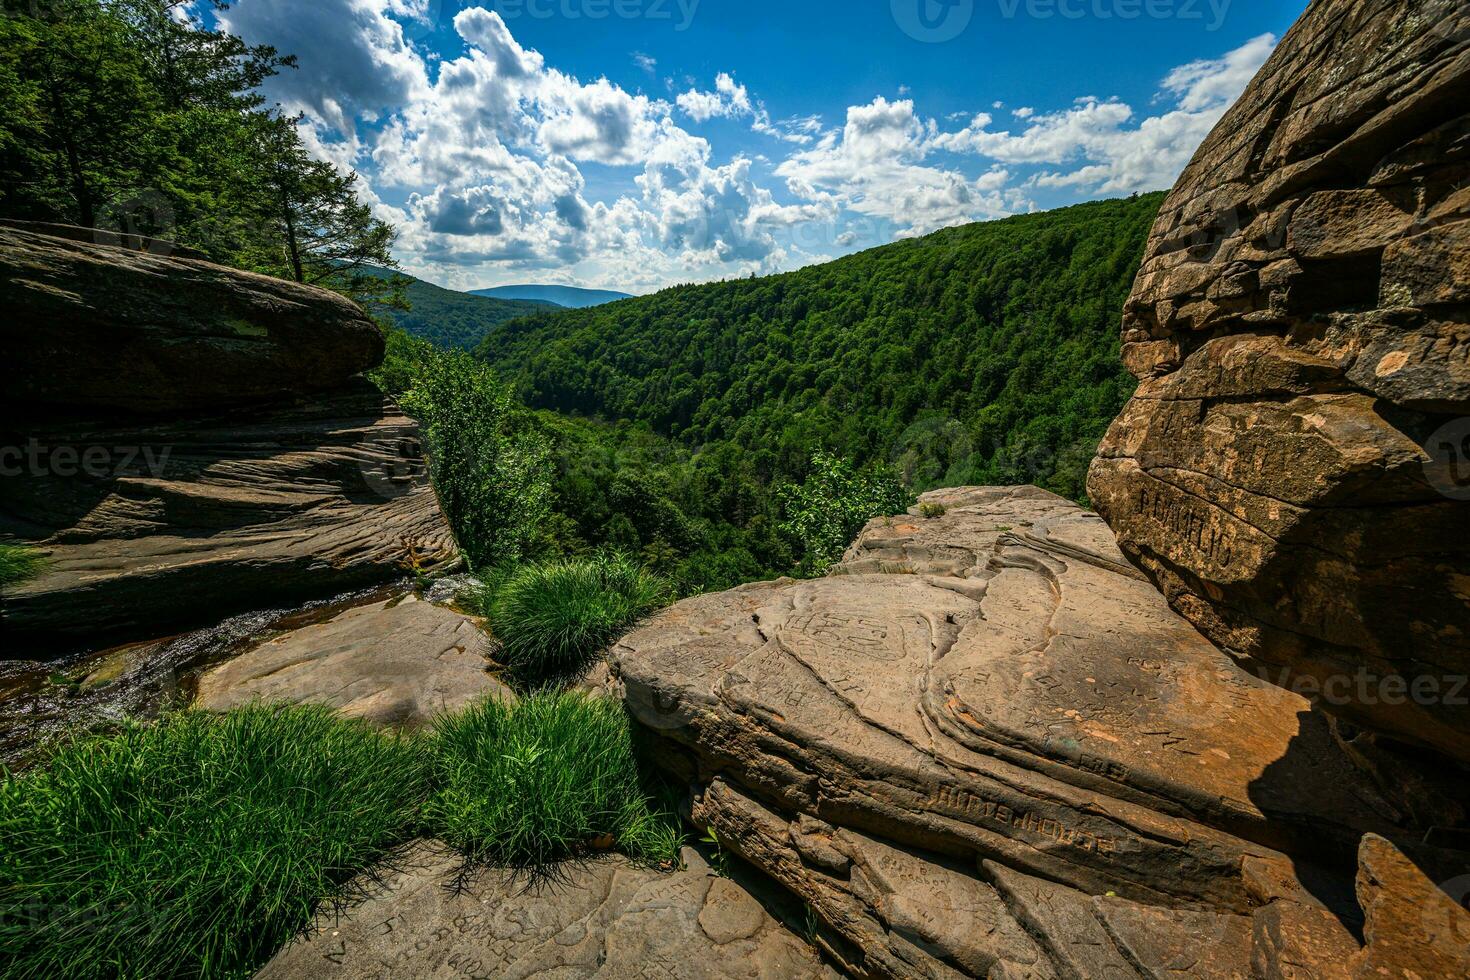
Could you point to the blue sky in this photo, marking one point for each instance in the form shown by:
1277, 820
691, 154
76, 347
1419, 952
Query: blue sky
634, 144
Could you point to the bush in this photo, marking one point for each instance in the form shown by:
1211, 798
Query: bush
196, 846
491, 470
18, 564
826, 512
930, 510
554, 618
550, 777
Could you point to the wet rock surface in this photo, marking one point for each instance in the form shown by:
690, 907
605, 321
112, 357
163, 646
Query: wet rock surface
1294, 471
603, 918
395, 664
989, 719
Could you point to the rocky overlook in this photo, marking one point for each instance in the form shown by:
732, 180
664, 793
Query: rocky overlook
180, 428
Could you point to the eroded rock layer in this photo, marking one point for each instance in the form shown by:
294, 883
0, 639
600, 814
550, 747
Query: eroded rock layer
151, 461
985, 744
1294, 471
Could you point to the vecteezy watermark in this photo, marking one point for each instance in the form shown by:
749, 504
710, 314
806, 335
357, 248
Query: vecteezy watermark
933, 21
937, 21
395, 468
1447, 466
1368, 688
100, 462
679, 12
1211, 12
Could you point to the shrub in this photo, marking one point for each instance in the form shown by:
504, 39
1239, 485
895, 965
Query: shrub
18, 563
930, 510
554, 618
550, 777
195, 846
827, 511
491, 469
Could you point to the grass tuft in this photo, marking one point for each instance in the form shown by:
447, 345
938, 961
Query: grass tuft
18, 563
554, 618
196, 846
550, 777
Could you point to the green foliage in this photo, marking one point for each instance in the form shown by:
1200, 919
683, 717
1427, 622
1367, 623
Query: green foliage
827, 511
706, 520
552, 776
981, 354
492, 472
133, 115
194, 847
929, 510
18, 563
554, 618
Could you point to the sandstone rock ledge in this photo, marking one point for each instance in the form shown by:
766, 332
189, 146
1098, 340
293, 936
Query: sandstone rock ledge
396, 664
984, 746
605, 918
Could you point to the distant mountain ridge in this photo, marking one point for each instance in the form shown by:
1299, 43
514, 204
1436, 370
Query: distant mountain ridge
572, 297
449, 318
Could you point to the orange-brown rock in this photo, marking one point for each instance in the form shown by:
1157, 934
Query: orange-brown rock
1294, 471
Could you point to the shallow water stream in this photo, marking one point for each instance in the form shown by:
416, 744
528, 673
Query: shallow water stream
39, 699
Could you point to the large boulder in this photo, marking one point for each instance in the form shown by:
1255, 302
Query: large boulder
989, 718
92, 326
1293, 470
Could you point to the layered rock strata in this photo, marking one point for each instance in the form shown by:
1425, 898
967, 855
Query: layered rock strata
184, 441
985, 745
1294, 472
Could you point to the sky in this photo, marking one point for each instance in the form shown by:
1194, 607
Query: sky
638, 144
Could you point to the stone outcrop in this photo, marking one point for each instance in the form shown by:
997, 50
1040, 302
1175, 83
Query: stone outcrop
603, 918
396, 664
150, 455
985, 746
1294, 471
103, 328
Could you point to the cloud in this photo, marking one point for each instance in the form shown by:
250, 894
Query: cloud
1110, 149
647, 62
731, 100
366, 69
874, 167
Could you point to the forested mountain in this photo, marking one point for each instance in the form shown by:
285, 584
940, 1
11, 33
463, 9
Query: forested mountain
454, 319
572, 297
981, 354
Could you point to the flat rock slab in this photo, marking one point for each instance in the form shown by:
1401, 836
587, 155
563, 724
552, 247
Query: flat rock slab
606, 918
395, 663
998, 684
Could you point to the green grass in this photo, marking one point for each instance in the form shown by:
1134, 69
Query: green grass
554, 618
18, 563
553, 776
196, 846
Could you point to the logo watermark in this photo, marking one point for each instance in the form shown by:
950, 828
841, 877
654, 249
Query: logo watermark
933, 21
680, 13
100, 462
1447, 466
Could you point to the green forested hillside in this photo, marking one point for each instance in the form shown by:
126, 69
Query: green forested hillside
981, 354
450, 319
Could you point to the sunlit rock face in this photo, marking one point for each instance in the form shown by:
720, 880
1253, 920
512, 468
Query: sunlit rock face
986, 727
1294, 472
